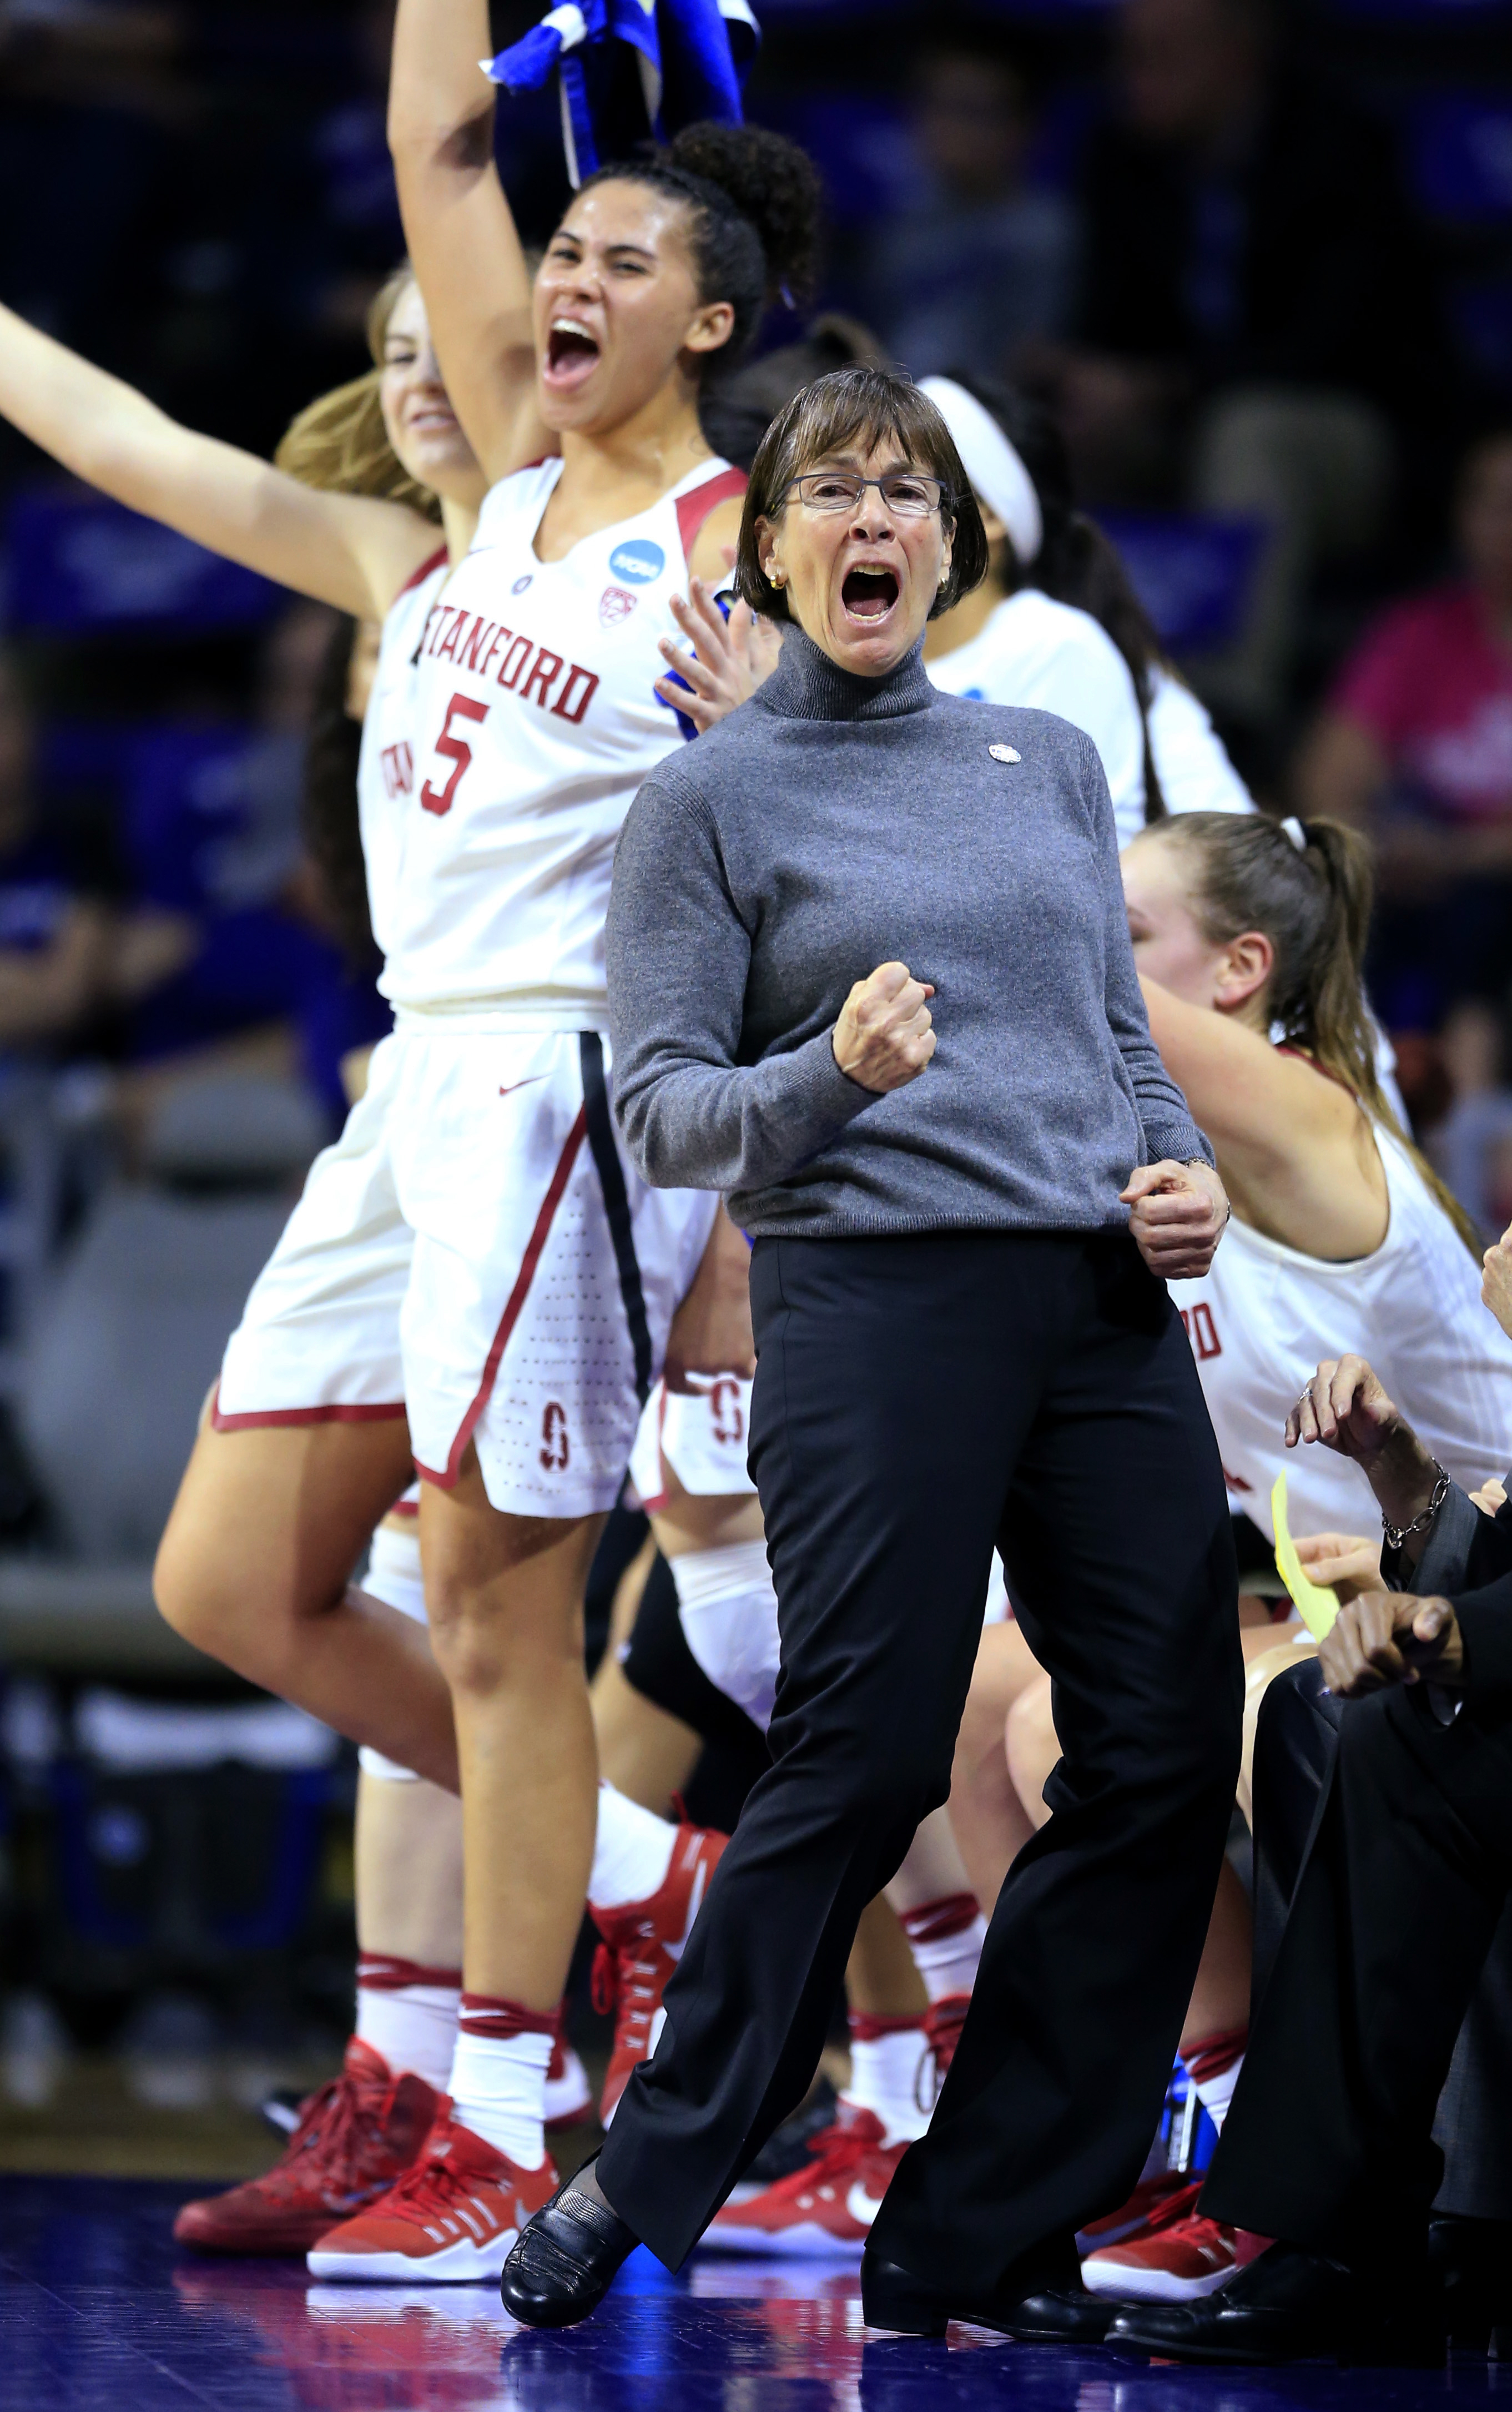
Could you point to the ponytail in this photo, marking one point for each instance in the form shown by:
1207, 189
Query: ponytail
1312, 902
340, 444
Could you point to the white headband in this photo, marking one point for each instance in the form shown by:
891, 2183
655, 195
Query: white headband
995, 470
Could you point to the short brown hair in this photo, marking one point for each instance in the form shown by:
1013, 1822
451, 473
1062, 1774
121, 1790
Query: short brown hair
864, 403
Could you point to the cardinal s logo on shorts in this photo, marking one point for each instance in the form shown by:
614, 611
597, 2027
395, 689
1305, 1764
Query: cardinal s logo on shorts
638, 560
555, 1454
616, 604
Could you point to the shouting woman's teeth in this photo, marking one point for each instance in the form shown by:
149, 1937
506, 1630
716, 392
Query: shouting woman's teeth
870, 593
569, 345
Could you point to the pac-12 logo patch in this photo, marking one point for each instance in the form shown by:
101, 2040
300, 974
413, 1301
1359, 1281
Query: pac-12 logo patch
638, 560
616, 604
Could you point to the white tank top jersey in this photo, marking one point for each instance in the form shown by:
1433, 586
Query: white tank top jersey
1191, 761
386, 766
1034, 651
1261, 1321
535, 722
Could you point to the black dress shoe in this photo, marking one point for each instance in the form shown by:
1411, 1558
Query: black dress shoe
1288, 2305
1059, 2313
563, 2260
1470, 2263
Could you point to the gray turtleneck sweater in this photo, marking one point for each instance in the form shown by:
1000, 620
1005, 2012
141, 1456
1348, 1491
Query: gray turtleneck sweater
834, 823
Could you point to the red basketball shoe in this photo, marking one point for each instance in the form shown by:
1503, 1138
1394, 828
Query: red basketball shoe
642, 1945
453, 2216
827, 2206
943, 2022
1181, 2256
1132, 2218
353, 2139
569, 2095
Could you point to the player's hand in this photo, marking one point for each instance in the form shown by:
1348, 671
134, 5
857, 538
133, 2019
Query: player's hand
728, 660
885, 1035
1347, 1562
1177, 1216
1390, 1636
710, 1331
1346, 1408
1489, 1497
1496, 1281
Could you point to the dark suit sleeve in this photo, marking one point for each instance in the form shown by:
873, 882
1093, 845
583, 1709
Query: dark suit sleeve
1463, 1550
1468, 1560
1485, 1629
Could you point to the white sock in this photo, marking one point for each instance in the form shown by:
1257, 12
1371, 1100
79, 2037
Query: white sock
394, 1576
408, 2015
632, 1851
498, 2090
885, 2071
946, 1938
728, 1610
1212, 2068
1216, 2093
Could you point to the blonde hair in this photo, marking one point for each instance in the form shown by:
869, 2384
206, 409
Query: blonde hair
1313, 903
340, 443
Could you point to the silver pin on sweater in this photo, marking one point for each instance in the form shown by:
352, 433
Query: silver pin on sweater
1004, 754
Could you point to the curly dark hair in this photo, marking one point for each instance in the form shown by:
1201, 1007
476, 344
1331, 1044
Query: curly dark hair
754, 199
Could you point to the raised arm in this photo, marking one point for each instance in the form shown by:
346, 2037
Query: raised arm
678, 959
348, 549
462, 237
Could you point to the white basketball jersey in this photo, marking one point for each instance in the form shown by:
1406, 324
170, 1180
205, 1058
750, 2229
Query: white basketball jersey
1265, 1317
386, 768
535, 720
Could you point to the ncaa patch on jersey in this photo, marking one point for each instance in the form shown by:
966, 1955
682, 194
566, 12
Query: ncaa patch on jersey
616, 604
638, 560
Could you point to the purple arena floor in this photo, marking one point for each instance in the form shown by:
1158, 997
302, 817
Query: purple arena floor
99, 2312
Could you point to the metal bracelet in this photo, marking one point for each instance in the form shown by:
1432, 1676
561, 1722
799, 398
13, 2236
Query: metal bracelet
1396, 1533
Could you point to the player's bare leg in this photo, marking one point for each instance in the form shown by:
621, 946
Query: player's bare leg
255, 1569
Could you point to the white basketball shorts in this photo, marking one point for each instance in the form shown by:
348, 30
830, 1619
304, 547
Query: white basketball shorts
702, 1435
476, 1251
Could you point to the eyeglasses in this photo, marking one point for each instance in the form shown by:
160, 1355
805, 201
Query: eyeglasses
907, 493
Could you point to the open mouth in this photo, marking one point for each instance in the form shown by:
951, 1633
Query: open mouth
870, 593
571, 351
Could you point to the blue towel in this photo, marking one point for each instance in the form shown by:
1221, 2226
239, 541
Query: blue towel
686, 61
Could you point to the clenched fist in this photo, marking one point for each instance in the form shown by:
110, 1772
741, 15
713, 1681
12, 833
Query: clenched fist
1177, 1216
885, 1035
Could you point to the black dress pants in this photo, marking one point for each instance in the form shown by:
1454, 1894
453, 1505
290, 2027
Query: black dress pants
1294, 1755
916, 1401
1402, 1888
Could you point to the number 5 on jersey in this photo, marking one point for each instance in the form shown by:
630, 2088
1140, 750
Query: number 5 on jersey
457, 751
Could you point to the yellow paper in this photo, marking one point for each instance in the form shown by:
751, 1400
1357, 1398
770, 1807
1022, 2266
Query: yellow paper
1317, 1604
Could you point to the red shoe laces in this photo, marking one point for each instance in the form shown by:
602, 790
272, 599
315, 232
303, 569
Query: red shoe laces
624, 1988
1177, 2207
336, 2124
833, 2153
430, 2181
